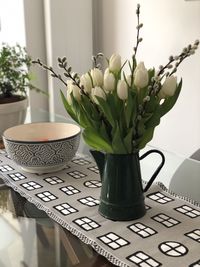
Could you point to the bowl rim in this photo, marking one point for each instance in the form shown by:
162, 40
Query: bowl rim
37, 141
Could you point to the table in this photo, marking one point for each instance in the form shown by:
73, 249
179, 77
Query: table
32, 239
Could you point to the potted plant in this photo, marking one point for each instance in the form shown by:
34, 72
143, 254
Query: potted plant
14, 82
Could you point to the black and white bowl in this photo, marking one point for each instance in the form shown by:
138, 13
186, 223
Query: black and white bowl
42, 147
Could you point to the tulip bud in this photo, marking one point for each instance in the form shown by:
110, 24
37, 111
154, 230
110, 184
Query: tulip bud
169, 87
75, 91
141, 76
86, 82
122, 90
109, 82
97, 91
97, 77
115, 63
107, 71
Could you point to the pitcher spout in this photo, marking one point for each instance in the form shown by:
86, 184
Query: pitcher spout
99, 157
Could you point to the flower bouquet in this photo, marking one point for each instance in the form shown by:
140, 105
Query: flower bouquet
118, 112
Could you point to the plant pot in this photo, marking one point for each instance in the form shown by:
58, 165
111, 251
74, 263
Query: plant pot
12, 114
122, 197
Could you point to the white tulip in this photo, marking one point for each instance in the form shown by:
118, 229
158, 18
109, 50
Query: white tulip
109, 82
122, 90
97, 77
169, 87
74, 89
139, 66
97, 91
76, 92
86, 82
115, 63
107, 71
141, 76
69, 90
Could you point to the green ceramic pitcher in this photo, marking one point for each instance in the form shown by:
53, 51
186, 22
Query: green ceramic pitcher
122, 193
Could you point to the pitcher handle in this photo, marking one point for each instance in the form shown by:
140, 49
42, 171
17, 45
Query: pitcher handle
153, 177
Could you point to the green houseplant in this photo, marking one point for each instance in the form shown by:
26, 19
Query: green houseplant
14, 73
118, 112
15, 81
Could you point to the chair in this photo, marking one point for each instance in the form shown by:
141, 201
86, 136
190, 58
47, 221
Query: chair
186, 179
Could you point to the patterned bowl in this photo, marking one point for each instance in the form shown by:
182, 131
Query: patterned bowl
42, 147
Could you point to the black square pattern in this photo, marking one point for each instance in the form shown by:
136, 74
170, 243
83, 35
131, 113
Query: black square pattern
94, 169
65, 209
113, 240
188, 211
89, 201
31, 185
17, 176
165, 220
195, 235
93, 184
46, 196
195, 264
142, 229
53, 180
142, 259
81, 161
160, 198
6, 168
86, 223
77, 174
69, 190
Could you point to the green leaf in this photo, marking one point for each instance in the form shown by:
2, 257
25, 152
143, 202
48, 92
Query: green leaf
104, 132
154, 120
128, 140
140, 128
83, 120
130, 109
68, 107
152, 104
117, 142
147, 136
96, 141
90, 107
106, 110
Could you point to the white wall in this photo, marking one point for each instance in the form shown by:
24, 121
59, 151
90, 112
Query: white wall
36, 47
68, 33
56, 29
168, 26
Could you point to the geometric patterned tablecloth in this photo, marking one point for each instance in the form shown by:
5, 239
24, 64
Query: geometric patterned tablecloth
168, 235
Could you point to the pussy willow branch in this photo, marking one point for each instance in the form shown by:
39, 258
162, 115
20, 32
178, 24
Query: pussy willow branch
156, 86
53, 73
67, 73
95, 60
138, 40
138, 30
